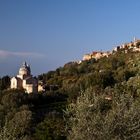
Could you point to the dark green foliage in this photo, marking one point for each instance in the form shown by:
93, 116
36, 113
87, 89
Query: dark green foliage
20, 112
4, 82
52, 128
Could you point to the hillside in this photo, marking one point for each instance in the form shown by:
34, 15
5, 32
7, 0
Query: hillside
78, 97
101, 73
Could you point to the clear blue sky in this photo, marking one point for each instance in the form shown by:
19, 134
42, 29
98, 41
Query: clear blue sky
49, 33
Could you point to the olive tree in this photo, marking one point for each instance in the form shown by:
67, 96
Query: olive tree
93, 117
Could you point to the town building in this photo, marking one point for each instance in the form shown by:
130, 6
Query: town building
96, 55
133, 46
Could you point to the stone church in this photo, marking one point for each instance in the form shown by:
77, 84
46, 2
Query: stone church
24, 80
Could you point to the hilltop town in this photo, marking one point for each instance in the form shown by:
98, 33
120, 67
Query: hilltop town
133, 46
103, 91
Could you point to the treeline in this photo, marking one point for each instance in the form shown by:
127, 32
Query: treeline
97, 99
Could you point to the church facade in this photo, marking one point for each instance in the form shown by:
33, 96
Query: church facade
24, 80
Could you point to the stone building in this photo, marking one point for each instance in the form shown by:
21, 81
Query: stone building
87, 57
24, 80
96, 55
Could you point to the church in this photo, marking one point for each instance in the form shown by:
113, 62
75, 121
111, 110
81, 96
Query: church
24, 80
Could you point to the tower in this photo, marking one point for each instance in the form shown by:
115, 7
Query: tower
135, 39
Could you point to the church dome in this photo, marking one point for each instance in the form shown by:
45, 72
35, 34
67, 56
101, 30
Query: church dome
24, 70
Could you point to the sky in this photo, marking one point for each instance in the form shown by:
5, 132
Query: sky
49, 33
